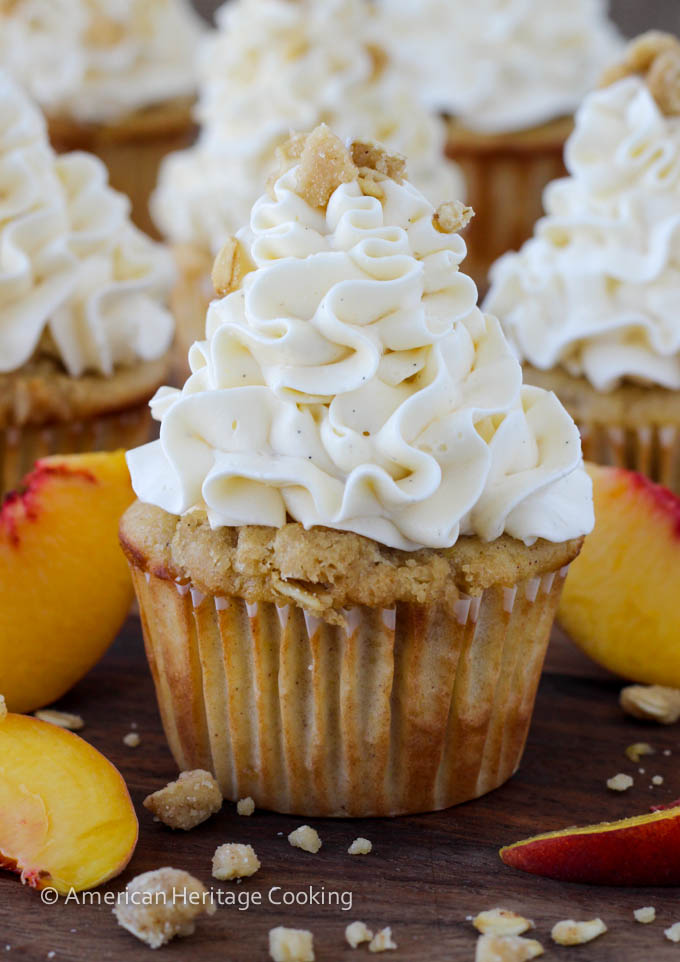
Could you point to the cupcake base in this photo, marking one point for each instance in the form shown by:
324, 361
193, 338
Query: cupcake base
132, 148
632, 427
505, 176
390, 710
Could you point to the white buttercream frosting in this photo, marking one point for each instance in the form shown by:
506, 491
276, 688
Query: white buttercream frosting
77, 280
503, 65
597, 289
351, 382
277, 66
99, 59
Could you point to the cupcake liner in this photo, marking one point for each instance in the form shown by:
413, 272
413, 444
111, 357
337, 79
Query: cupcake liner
408, 709
653, 450
20, 447
505, 188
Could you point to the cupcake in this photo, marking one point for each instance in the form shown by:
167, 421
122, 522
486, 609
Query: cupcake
115, 79
508, 74
350, 539
591, 301
274, 67
85, 337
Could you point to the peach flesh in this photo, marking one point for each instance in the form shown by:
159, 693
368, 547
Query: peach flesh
643, 850
64, 585
66, 819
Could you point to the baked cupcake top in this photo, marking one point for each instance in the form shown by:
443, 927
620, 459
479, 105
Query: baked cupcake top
597, 289
95, 60
78, 282
349, 381
502, 65
280, 65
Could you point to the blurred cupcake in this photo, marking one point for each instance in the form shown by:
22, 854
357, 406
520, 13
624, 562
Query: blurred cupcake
84, 334
592, 301
351, 537
272, 68
508, 74
117, 79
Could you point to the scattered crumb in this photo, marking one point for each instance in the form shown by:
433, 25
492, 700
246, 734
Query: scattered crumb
360, 846
501, 922
245, 806
306, 838
645, 915
673, 933
356, 933
325, 163
371, 156
667, 751
382, 941
159, 905
651, 702
642, 770
657, 779
132, 739
506, 948
570, 932
620, 782
452, 217
3, 708
230, 267
187, 802
637, 750
63, 719
291, 945
233, 860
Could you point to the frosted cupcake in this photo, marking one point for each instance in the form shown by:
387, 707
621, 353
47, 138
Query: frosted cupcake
592, 301
508, 74
274, 67
351, 537
85, 337
117, 79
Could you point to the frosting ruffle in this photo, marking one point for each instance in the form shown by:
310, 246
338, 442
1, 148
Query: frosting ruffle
351, 382
77, 280
596, 289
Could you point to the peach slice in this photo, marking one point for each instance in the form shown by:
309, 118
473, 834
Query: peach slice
64, 583
66, 819
620, 599
644, 850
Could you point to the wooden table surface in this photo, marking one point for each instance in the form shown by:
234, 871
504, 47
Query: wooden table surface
426, 873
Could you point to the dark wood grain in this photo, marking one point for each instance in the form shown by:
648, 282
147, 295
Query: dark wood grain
426, 873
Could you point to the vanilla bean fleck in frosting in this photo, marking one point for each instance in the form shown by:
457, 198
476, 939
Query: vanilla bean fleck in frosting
97, 60
502, 65
348, 379
596, 290
273, 67
77, 281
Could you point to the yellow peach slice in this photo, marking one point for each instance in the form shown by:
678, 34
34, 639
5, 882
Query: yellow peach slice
620, 600
64, 583
66, 819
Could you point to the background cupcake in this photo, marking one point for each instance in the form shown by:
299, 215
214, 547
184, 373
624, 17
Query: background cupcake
509, 76
276, 67
591, 302
117, 79
352, 534
84, 334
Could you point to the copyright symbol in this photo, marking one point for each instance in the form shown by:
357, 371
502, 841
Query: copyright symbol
49, 896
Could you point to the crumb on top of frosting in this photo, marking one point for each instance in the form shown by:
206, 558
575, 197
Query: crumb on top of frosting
325, 163
230, 267
655, 56
452, 216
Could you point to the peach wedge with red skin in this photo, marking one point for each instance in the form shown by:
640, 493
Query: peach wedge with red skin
644, 850
620, 600
65, 588
66, 819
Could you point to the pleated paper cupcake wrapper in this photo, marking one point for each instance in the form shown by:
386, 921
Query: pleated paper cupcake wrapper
653, 450
408, 709
21, 447
505, 188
